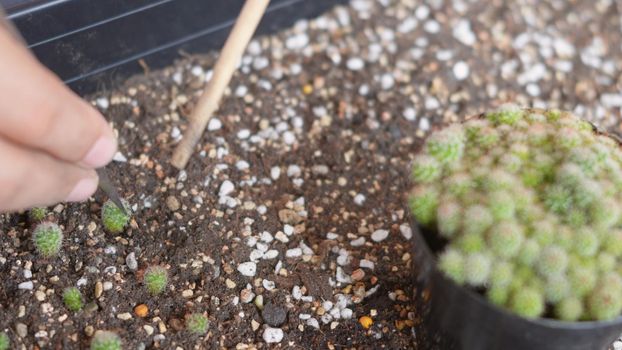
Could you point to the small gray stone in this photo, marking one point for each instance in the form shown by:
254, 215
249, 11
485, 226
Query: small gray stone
22, 329
131, 262
25, 285
273, 314
273, 335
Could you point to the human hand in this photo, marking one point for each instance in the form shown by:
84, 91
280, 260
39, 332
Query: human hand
50, 140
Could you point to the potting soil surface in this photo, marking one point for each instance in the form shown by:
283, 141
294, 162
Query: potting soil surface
289, 223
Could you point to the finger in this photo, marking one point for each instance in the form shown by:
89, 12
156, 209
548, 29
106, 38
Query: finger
30, 178
39, 111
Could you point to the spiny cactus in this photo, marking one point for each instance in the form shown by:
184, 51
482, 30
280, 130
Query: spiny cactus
197, 323
5, 342
528, 201
48, 238
156, 279
73, 299
113, 218
105, 340
37, 214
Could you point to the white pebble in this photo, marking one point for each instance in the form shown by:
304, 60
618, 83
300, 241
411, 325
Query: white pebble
379, 235
355, 64
359, 199
27, 274
28, 285
269, 285
293, 253
410, 114
341, 276
297, 42
214, 124
226, 188
294, 171
270, 254
367, 264
387, 81
266, 237
327, 305
432, 26
275, 173
248, 268
332, 235
288, 229
312, 322
197, 71
102, 103
424, 124
463, 33
244, 134
422, 12
242, 165
346, 314
617, 345
296, 293
357, 242
289, 138
273, 335
431, 103
461, 70
119, 157
406, 231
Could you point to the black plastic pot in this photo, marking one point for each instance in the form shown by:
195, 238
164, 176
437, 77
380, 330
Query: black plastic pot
94, 44
472, 323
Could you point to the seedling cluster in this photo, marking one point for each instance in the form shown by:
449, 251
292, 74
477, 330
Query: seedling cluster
528, 202
105, 340
48, 238
155, 279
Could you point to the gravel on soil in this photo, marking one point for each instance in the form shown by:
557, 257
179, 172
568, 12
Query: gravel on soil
293, 203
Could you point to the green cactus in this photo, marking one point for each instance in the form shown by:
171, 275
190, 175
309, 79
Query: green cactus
446, 145
529, 252
586, 243
556, 288
451, 262
73, 299
569, 309
501, 274
37, 214
5, 342
527, 302
105, 340
113, 218
48, 239
528, 203
426, 169
553, 261
479, 219
506, 114
477, 268
155, 279
605, 301
197, 324
423, 204
449, 218
505, 239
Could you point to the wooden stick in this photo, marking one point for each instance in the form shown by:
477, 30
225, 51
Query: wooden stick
236, 43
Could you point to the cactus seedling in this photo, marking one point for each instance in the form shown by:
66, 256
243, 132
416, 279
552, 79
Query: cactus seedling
72, 299
528, 203
113, 218
197, 323
48, 238
155, 278
37, 214
105, 340
5, 342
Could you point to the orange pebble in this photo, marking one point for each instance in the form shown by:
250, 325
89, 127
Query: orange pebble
141, 310
366, 321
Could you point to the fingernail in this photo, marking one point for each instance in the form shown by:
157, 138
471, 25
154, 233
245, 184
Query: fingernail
83, 190
101, 152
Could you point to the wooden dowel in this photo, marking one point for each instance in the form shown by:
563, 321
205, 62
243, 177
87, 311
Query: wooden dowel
236, 43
